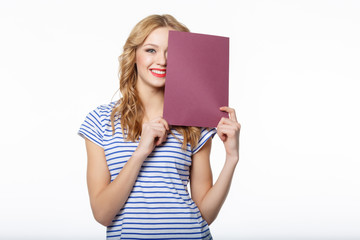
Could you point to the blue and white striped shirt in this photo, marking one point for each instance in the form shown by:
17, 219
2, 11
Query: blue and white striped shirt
159, 205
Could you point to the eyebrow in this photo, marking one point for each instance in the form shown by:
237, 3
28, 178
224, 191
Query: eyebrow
151, 45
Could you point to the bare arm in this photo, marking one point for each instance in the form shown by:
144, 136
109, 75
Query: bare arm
208, 197
106, 197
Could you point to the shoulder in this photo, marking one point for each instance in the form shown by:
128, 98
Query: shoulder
103, 111
205, 135
106, 109
96, 122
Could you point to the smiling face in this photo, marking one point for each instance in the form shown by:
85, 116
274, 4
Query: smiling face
151, 59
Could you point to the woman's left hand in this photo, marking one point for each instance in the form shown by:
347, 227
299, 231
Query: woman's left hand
228, 129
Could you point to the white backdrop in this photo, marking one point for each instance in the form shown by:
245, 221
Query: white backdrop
294, 81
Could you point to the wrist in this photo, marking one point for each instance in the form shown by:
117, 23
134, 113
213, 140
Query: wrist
232, 159
140, 154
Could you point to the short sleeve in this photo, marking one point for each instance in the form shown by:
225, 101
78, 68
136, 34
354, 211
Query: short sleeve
206, 133
92, 128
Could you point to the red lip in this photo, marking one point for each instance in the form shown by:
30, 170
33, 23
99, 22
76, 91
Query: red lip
159, 69
156, 74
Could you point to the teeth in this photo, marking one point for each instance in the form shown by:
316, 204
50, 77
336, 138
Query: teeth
158, 72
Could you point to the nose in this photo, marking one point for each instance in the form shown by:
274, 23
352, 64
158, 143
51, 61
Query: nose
162, 59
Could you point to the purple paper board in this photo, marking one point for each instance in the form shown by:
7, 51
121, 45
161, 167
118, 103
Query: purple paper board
197, 79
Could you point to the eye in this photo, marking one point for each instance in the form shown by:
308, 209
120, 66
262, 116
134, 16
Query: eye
150, 50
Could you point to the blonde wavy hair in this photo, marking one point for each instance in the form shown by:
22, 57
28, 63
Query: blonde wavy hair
129, 108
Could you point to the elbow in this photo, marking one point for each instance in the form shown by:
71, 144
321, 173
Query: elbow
104, 222
101, 214
103, 218
208, 216
209, 220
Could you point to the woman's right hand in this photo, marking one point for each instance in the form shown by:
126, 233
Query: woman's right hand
153, 134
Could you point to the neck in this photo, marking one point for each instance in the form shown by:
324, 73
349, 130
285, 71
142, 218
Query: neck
153, 102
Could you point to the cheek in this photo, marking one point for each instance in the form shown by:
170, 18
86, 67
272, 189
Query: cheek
142, 61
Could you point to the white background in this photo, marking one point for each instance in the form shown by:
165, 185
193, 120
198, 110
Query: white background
294, 82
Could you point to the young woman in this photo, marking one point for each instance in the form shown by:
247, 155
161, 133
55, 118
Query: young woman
139, 166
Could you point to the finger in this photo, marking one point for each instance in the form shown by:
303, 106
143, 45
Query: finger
221, 134
229, 131
229, 122
225, 120
222, 137
164, 138
231, 111
225, 128
159, 126
160, 134
159, 130
161, 120
160, 140
157, 141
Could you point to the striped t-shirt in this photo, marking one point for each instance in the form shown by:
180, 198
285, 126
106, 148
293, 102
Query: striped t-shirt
159, 205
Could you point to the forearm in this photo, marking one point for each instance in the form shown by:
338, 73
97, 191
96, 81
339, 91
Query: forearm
215, 197
107, 203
